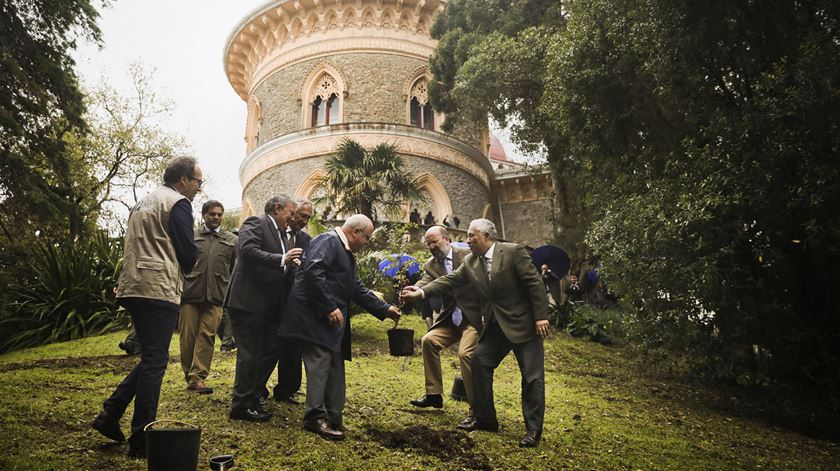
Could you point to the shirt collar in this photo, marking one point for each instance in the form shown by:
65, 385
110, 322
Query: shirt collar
489, 253
449, 255
204, 228
276, 228
343, 238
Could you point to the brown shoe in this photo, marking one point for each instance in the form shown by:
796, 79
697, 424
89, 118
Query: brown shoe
199, 388
323, 428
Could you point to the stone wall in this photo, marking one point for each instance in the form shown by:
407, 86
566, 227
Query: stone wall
526, 222
466, 194
374, 93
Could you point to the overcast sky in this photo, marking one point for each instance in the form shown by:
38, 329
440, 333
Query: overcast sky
183, 41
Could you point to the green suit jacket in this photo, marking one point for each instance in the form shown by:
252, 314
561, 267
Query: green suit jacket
514, 295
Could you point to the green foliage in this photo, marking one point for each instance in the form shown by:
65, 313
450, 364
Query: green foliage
599, 325
365, 181
71, 297
708, 135
704, 138
389, 239
40, 99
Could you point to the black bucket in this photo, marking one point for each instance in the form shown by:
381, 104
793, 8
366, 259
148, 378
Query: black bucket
174, 447
401, 342
459, 392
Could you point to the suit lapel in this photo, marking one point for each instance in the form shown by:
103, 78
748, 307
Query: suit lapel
274, 234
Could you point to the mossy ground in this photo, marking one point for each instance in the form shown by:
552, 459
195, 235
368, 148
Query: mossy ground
602, 412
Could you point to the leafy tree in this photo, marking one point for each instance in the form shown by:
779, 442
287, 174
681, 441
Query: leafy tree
704, 137
484, 47
126, 148
710, 136
365, 181
40, 100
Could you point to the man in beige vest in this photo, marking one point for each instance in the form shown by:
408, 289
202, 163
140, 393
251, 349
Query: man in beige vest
456, 319
159, 248
204, 294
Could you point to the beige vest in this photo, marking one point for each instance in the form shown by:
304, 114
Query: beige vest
150, 267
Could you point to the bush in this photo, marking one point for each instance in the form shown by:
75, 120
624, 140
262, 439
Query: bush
71, 296
605, 326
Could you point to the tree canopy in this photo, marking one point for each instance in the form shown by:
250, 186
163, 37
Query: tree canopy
704, 138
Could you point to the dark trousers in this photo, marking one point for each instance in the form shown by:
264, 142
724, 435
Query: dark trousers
226, 332
289, 370
492, 349
154, 322
285, 354
325, 384
252, 333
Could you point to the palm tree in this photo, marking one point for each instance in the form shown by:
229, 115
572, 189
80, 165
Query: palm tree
366, 181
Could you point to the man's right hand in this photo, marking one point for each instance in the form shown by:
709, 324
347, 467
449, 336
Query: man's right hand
336, 318
411, 293
293, 256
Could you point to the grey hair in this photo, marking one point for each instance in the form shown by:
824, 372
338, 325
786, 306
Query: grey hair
441, 231
282, 199
304, 202
358, 221
179, 167
485, 226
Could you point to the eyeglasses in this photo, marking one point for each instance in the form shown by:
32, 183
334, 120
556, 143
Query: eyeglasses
200, 182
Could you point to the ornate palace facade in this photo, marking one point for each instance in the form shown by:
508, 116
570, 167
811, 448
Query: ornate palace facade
314, 72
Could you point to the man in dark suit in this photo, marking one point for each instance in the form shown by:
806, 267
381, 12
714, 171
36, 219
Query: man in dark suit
457, 319
515, 312
255, 297
318, 318
287, 354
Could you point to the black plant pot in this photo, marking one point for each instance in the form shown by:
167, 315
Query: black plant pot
401, 342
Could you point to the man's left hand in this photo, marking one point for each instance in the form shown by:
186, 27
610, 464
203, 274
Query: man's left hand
542, 328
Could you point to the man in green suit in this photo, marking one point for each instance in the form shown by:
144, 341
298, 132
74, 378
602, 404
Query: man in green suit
515, 313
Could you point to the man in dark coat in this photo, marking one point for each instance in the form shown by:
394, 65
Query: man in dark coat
286, 355
255, 297
318, 318
515, 312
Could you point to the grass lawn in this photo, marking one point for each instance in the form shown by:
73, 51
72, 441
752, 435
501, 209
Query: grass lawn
602, 412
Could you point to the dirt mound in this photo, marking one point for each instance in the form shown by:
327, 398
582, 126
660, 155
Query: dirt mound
116, 364
447, 445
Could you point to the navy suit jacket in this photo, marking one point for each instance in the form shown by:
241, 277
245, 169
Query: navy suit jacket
328, 279
256, 285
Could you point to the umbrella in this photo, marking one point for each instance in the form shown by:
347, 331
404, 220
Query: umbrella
555, 257
392, 265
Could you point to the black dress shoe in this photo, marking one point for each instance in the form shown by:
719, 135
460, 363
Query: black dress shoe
262, 405
429, 400
531, 439
287, 400
466, 423
323, 428
130, 348
138, 453
251, 415
478, 424
108, 426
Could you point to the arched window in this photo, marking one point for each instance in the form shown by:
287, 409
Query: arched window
325, 102
421, 112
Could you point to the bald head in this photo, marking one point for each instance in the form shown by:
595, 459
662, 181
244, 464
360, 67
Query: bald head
357, 228
438, 242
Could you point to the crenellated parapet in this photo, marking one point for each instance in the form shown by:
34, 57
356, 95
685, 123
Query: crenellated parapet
285, 32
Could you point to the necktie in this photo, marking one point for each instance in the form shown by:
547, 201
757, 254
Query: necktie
291, 238
486, 263
457, 316
282, 240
